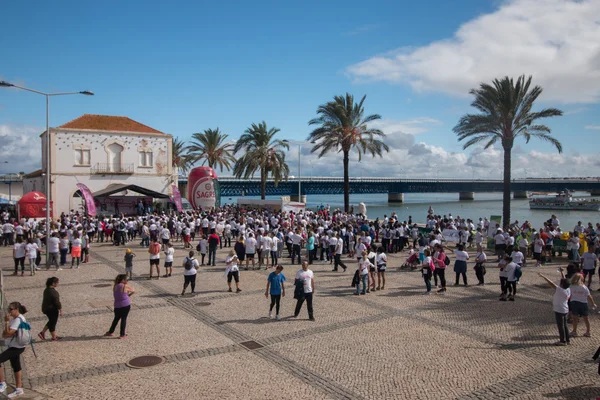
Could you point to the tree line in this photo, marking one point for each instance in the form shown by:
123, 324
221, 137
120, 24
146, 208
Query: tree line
505, 113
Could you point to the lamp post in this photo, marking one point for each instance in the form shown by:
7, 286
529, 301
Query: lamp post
299, 147
47, 95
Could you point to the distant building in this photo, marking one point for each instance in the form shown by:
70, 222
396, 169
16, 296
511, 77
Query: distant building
107, 154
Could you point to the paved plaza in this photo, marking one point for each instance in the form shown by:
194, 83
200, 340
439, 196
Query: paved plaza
392, 344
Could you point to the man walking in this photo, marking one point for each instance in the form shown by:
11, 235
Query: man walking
339, 248
305, 287
213, 241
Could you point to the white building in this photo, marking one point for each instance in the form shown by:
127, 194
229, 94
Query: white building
105, 152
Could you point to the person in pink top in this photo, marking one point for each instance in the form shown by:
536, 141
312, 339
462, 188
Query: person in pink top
122, 293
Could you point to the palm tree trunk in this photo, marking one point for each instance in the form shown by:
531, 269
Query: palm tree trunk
263, 184
506, 192
346, 182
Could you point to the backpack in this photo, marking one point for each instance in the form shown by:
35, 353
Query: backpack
446, 260
189, 264
198, 247
23, 335
518, 273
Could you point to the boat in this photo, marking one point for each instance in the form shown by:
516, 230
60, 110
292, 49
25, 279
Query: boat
562, 201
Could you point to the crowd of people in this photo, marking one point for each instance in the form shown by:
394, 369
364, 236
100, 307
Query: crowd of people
261, 239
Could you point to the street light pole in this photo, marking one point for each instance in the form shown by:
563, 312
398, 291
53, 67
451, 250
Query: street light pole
299, 169
48, 191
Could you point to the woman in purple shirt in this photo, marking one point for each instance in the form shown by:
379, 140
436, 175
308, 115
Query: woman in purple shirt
121, 292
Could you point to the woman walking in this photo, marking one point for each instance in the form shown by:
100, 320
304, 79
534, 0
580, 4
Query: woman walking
561, 308
121, 293
51, 307
460, 265
190, 269
232, 271
154, 251
14, 348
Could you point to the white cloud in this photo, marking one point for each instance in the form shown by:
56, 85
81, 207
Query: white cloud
593, 127
556, 41
21, 147
412, 126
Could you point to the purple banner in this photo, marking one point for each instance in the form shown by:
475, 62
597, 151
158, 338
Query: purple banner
177, 198
89, 199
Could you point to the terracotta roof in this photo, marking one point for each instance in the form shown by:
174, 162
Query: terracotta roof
33, 174
110, 123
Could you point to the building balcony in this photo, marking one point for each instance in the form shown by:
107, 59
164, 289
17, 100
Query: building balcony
112, 169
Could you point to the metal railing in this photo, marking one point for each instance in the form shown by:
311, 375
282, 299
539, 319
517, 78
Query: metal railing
112, 168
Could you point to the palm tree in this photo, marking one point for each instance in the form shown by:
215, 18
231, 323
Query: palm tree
180, 160
210, 147
506, 114
343, 128
262, 153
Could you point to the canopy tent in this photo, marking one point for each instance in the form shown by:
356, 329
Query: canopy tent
33, 205
120, 187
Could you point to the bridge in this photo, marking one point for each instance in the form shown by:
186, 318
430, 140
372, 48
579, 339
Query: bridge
396, 187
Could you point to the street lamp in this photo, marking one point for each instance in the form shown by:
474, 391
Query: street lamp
299, 147
47, 95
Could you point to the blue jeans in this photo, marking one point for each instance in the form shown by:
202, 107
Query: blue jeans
63, 256
364, 279
427, 280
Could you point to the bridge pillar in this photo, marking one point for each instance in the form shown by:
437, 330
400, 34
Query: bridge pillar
294, 197
594, 192
395, 197
520, 195
466, 196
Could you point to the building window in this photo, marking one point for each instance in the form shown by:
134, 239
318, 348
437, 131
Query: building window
82, 157
146, 158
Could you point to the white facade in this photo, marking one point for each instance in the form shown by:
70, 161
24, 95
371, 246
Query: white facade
101, 158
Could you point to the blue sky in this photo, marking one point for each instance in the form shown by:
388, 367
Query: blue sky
182, 67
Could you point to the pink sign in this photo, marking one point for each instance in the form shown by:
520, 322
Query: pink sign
89, 199
177, 198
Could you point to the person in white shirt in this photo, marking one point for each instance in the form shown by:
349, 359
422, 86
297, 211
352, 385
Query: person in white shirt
523, 246
306, 283
232, 271
266, 247
296, 238
500, 244
169, 255
561, 307
480, 259
190, 269
274, 249
31, 249
53, 250
19, 256
580, 296
538, 247
589, 261
381, 261
250, 245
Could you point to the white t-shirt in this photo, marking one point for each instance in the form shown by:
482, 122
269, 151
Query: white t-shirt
560, 300
509, 270
538, 245
306, 277
579, 293
517, 257
53, 245
76, 243
381, 258
499, 239
19, 250
461, 255
589, 260
231, 264
31, 249
191, 271
267, 243
170, 252
250, 245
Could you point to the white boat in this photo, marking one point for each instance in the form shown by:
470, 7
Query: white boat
562, 201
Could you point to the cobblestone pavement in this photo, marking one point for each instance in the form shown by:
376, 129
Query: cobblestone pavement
390, 344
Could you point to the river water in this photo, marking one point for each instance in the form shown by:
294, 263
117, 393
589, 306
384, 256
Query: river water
484, 205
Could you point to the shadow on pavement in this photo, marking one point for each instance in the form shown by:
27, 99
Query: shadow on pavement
576, 393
